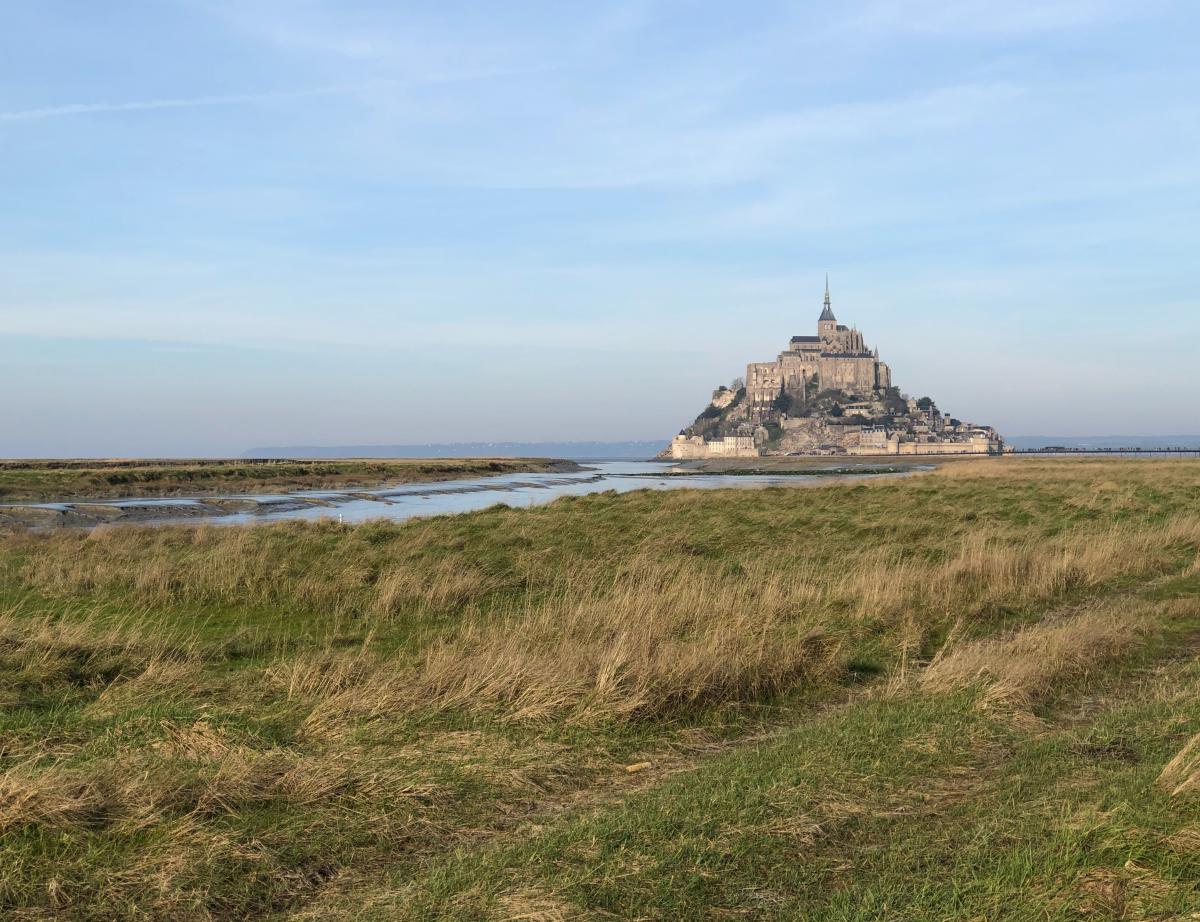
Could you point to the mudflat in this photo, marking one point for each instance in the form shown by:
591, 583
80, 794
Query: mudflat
61, 480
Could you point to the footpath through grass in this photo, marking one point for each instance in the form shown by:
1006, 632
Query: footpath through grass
951, 696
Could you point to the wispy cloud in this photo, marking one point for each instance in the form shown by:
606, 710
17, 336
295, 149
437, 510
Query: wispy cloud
236, 99
985, 17
191, 102
237, 328
664, 143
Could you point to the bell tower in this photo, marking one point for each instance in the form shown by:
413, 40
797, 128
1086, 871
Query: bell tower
827, 325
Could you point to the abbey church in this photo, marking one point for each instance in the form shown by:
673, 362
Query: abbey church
837, 358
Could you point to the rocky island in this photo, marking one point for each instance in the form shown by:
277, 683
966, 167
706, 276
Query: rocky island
827, 394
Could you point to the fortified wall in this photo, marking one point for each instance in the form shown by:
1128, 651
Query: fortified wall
691, 447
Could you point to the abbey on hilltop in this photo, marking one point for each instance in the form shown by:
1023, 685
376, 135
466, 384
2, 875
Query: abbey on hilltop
825, 394
836, 358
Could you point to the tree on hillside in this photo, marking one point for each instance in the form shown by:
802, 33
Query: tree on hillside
894, 402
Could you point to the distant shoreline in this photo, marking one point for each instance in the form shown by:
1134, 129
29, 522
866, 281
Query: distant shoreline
621, 450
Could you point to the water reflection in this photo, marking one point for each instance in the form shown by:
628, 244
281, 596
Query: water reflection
414, 500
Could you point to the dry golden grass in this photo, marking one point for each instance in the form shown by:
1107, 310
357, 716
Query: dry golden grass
40, 651
643, 639
193, 770
444, 584
1106, 473
661, 642
1182, 774
641, 636
989, 571
424, 567
53, 798
529, 904
1025, 666
641, 651
156, 678
239, 716
212, 565
320, 675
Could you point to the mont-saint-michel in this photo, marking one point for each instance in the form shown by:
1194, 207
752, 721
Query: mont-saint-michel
828, 394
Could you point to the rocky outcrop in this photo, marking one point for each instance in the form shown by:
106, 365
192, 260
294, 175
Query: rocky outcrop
817, 435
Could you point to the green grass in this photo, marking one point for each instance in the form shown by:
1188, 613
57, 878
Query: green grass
904, 806
433, 719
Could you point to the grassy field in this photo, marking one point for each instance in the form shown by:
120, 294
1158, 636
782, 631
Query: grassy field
970, 694
40, 481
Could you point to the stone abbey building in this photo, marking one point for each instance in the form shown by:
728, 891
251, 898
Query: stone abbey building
836, 358
825, 395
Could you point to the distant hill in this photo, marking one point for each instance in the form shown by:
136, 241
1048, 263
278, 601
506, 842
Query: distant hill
574, 451
1104, 441
641, 450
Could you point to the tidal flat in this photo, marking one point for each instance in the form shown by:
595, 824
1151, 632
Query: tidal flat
970, 693
420, 496
39, 481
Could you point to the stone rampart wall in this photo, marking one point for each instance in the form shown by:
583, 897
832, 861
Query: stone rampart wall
693, 447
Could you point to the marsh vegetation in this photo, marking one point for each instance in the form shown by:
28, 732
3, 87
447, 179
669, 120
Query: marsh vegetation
969, 693
51, 481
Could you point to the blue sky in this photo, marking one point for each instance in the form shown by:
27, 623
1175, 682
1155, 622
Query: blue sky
226, 224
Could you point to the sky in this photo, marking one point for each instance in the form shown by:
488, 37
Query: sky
237, 223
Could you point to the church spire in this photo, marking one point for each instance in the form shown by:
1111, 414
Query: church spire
827, 313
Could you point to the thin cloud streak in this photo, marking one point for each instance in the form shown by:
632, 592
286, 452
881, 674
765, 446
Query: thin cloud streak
233, 328
184, 103
235, 99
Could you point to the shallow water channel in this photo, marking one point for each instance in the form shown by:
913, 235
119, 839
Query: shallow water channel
405, 501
